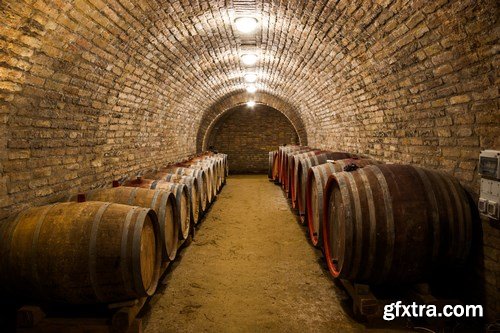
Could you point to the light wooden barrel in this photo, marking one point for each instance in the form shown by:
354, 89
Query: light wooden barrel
214, 165
161, 201
182, 199
194, 193
316, 179
394, 224
210, 174
81, 253
201, 176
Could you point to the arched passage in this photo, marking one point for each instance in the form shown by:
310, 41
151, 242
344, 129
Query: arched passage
248, 134
225, 104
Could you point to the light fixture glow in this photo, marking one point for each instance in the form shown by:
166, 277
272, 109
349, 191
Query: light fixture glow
251, 89
250, 78
249, 59
246, 24
251, 104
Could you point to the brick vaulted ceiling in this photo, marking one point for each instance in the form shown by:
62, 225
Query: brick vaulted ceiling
120, 85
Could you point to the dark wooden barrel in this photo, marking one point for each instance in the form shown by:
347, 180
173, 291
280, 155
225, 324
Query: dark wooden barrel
182, 199
292, 171
161, 201
394, 224
316, 179
285, 184
81, 253
272, 157
300, 168
282, 150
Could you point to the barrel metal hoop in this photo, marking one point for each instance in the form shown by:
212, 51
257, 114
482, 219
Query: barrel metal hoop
136, 252
390, 215
460, 218
123, 251
431, 196
357, 250
373, 222
93, 250
155, 198
131, 198
154, 184
344, 192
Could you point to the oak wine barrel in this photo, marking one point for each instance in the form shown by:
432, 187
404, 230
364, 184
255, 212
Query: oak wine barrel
81, 253
161, 201
394, 224
316, 179
182, 199
201, 176
194, 193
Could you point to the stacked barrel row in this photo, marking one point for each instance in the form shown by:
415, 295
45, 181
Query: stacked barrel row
376, 223
112, 244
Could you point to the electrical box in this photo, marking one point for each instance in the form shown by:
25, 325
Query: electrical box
489, 196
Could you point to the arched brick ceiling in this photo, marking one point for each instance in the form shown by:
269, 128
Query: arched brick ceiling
106, 87
229, 102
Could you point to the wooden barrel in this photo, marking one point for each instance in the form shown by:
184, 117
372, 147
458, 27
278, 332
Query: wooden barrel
272, 155
316, 179
283, 161
161, 201
300, 167
192, 186
394, 224
210, 172
275, 168
213, 164
182, 199
293, 167
201, 176
282, 150
286, 168
81, 253
293, 174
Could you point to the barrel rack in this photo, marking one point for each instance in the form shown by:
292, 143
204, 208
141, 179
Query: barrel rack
120, 317
369, 307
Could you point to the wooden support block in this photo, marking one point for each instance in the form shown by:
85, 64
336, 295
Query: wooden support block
29, 316
363, 301
123, 319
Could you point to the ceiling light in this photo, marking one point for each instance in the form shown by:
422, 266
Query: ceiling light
251, 89
250, 78
249, 59
246, 24
251, 104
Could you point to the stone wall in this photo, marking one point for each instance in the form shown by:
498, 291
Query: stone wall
248, 134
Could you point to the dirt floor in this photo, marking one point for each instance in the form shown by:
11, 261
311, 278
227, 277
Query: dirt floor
251, 269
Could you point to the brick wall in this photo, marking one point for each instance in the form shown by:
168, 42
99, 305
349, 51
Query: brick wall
248, 134
91, 90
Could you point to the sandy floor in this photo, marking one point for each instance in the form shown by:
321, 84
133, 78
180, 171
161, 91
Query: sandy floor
250, 269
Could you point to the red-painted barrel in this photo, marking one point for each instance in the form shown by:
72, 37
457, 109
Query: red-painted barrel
316, 179
394, 224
